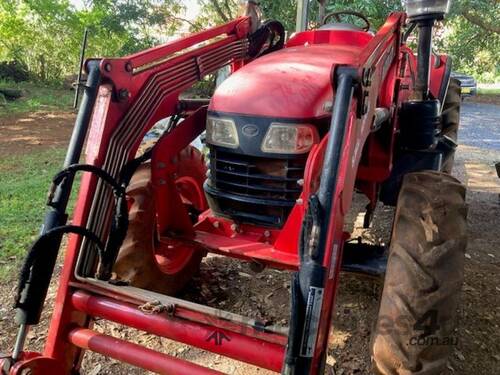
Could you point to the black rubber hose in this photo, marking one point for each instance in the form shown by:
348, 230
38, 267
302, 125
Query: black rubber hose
36, 271
72, 169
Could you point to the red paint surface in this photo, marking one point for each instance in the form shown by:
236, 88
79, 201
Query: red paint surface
237, 345
134, 354
297, 78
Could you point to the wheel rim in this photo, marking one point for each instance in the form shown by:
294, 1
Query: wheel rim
191, 192
173, 255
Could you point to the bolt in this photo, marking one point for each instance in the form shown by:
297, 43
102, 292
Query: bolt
161, 165
128, 67
300, 182
267, 234
299, 201
107, 67
216, 224
234, 227
162, 182
123, 95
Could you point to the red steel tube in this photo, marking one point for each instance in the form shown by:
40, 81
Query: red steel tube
216, 340
134, 354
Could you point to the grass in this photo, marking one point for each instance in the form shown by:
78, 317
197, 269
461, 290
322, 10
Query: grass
488, 90
36, 97
23, 191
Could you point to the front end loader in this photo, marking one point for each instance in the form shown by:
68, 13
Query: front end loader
297, 128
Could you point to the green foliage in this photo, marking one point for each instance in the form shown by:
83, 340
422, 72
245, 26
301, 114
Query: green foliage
45, 35
219, 11
470, 33
13, 70
375, 10
472, 38
203, 89
35, 98
489, 91
285, 11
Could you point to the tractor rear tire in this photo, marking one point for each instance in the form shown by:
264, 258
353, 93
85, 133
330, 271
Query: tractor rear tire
414, 333
451, 118
137, 263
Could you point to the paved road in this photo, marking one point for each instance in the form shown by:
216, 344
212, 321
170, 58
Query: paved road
480, 125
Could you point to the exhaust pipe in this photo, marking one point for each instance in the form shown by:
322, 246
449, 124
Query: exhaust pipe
424, 13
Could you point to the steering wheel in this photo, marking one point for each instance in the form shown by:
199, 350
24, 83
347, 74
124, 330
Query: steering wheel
337, 16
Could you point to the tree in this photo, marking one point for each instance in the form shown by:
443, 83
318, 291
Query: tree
45, 35
220, 11
214, 12
481, 13
470, 33
472, 38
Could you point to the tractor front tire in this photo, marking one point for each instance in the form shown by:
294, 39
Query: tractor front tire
139, 263
414, 333
451, 118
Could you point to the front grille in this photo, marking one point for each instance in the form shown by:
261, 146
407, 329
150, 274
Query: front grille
257, 177
254, 189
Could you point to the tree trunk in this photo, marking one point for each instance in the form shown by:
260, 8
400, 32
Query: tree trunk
478, 21
219, 10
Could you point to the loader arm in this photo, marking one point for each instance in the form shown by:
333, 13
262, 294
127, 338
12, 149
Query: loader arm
356, 98
122, 100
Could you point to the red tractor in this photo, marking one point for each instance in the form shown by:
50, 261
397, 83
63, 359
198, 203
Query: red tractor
296, 129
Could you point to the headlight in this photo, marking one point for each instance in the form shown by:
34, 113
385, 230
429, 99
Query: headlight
416, 8
289, 138
222, 132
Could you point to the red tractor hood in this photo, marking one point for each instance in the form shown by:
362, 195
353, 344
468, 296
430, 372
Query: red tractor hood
291, 83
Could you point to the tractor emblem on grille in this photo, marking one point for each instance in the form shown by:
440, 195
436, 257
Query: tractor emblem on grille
250, 130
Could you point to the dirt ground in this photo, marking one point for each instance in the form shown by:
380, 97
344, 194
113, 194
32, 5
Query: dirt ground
231, 285
36, 131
